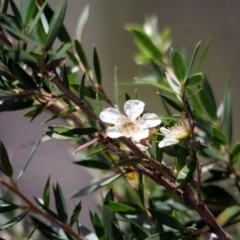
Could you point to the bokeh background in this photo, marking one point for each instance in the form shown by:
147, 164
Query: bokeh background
190, 22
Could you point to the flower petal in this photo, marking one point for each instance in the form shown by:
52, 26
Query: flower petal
110, 115
141, 134
150, 120
166, 132
168, 141
113, 132
133, 109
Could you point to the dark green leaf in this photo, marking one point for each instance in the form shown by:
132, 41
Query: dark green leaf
91, 163
97, 67
178, 65
128, 162
194, 79
217, 176
56, 24
176, 104
99, 229
218, 136
117, 234
218, 195
69, 130
192, 62
145, 44
176, 151
46, 193
186, 174
65, 76
108, 217
97, 106
208, 104
166, 219
138, 232
82, 87
5, 164
95, 186
5, 6
81, 54
13, 221
75, 214
119, 207
61, 136
62, 50
8, 207
235, 153
17, 14
27, 9
155, 237
227, 114
82, 21
21, 75
60, 203
29, 158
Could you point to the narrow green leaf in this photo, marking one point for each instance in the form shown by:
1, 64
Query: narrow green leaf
176, 151
227, 114
21, 75
99, 229
29, 157
82, 87
46, 193
81, 54
61, 136
97, 106
97, 67
208, 104
60, 203
119, 207
192, 62
128, 162
108, 217
90, 163
31, 234
185, 176
154, 237
176, 104
117, 234
27, 9
95, 186
210, 153
56, 24
75, 213
82, 21
138, 232
65, 76
7, 207
204, 54
166, 219
235, 153
17, 14
5, 164
13, 221
178, 65
194, 79
5, 6
218, 136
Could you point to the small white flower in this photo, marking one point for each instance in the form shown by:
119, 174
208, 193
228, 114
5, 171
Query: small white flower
131, 125
174, 134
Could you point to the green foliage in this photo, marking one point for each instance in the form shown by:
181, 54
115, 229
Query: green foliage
158, 191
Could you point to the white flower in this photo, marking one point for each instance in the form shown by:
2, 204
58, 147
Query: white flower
131, 125
174, 134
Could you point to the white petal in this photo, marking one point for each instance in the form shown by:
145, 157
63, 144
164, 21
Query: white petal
168, 141
143, 133
150, 120
166, 132
110, 115
133, 109
113, 132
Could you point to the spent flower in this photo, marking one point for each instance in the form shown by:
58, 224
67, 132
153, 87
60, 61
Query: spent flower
174, 134
131, 126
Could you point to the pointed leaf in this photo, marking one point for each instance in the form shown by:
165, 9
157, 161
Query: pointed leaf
75, 214
186, 174
117, 234
81, 55
128, 162
210, 153
218, 136
27, 9
56, 24
13, 221
8, 207
99, 229
95, 186
166, 219
178, 65
194, 79
91, 163
119, 207
5, 164
65, 76
46, 193
82, 87
60, 203
235, 153
176, 104
82, 21
29, 158
138, 232
97, 67
17, 14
